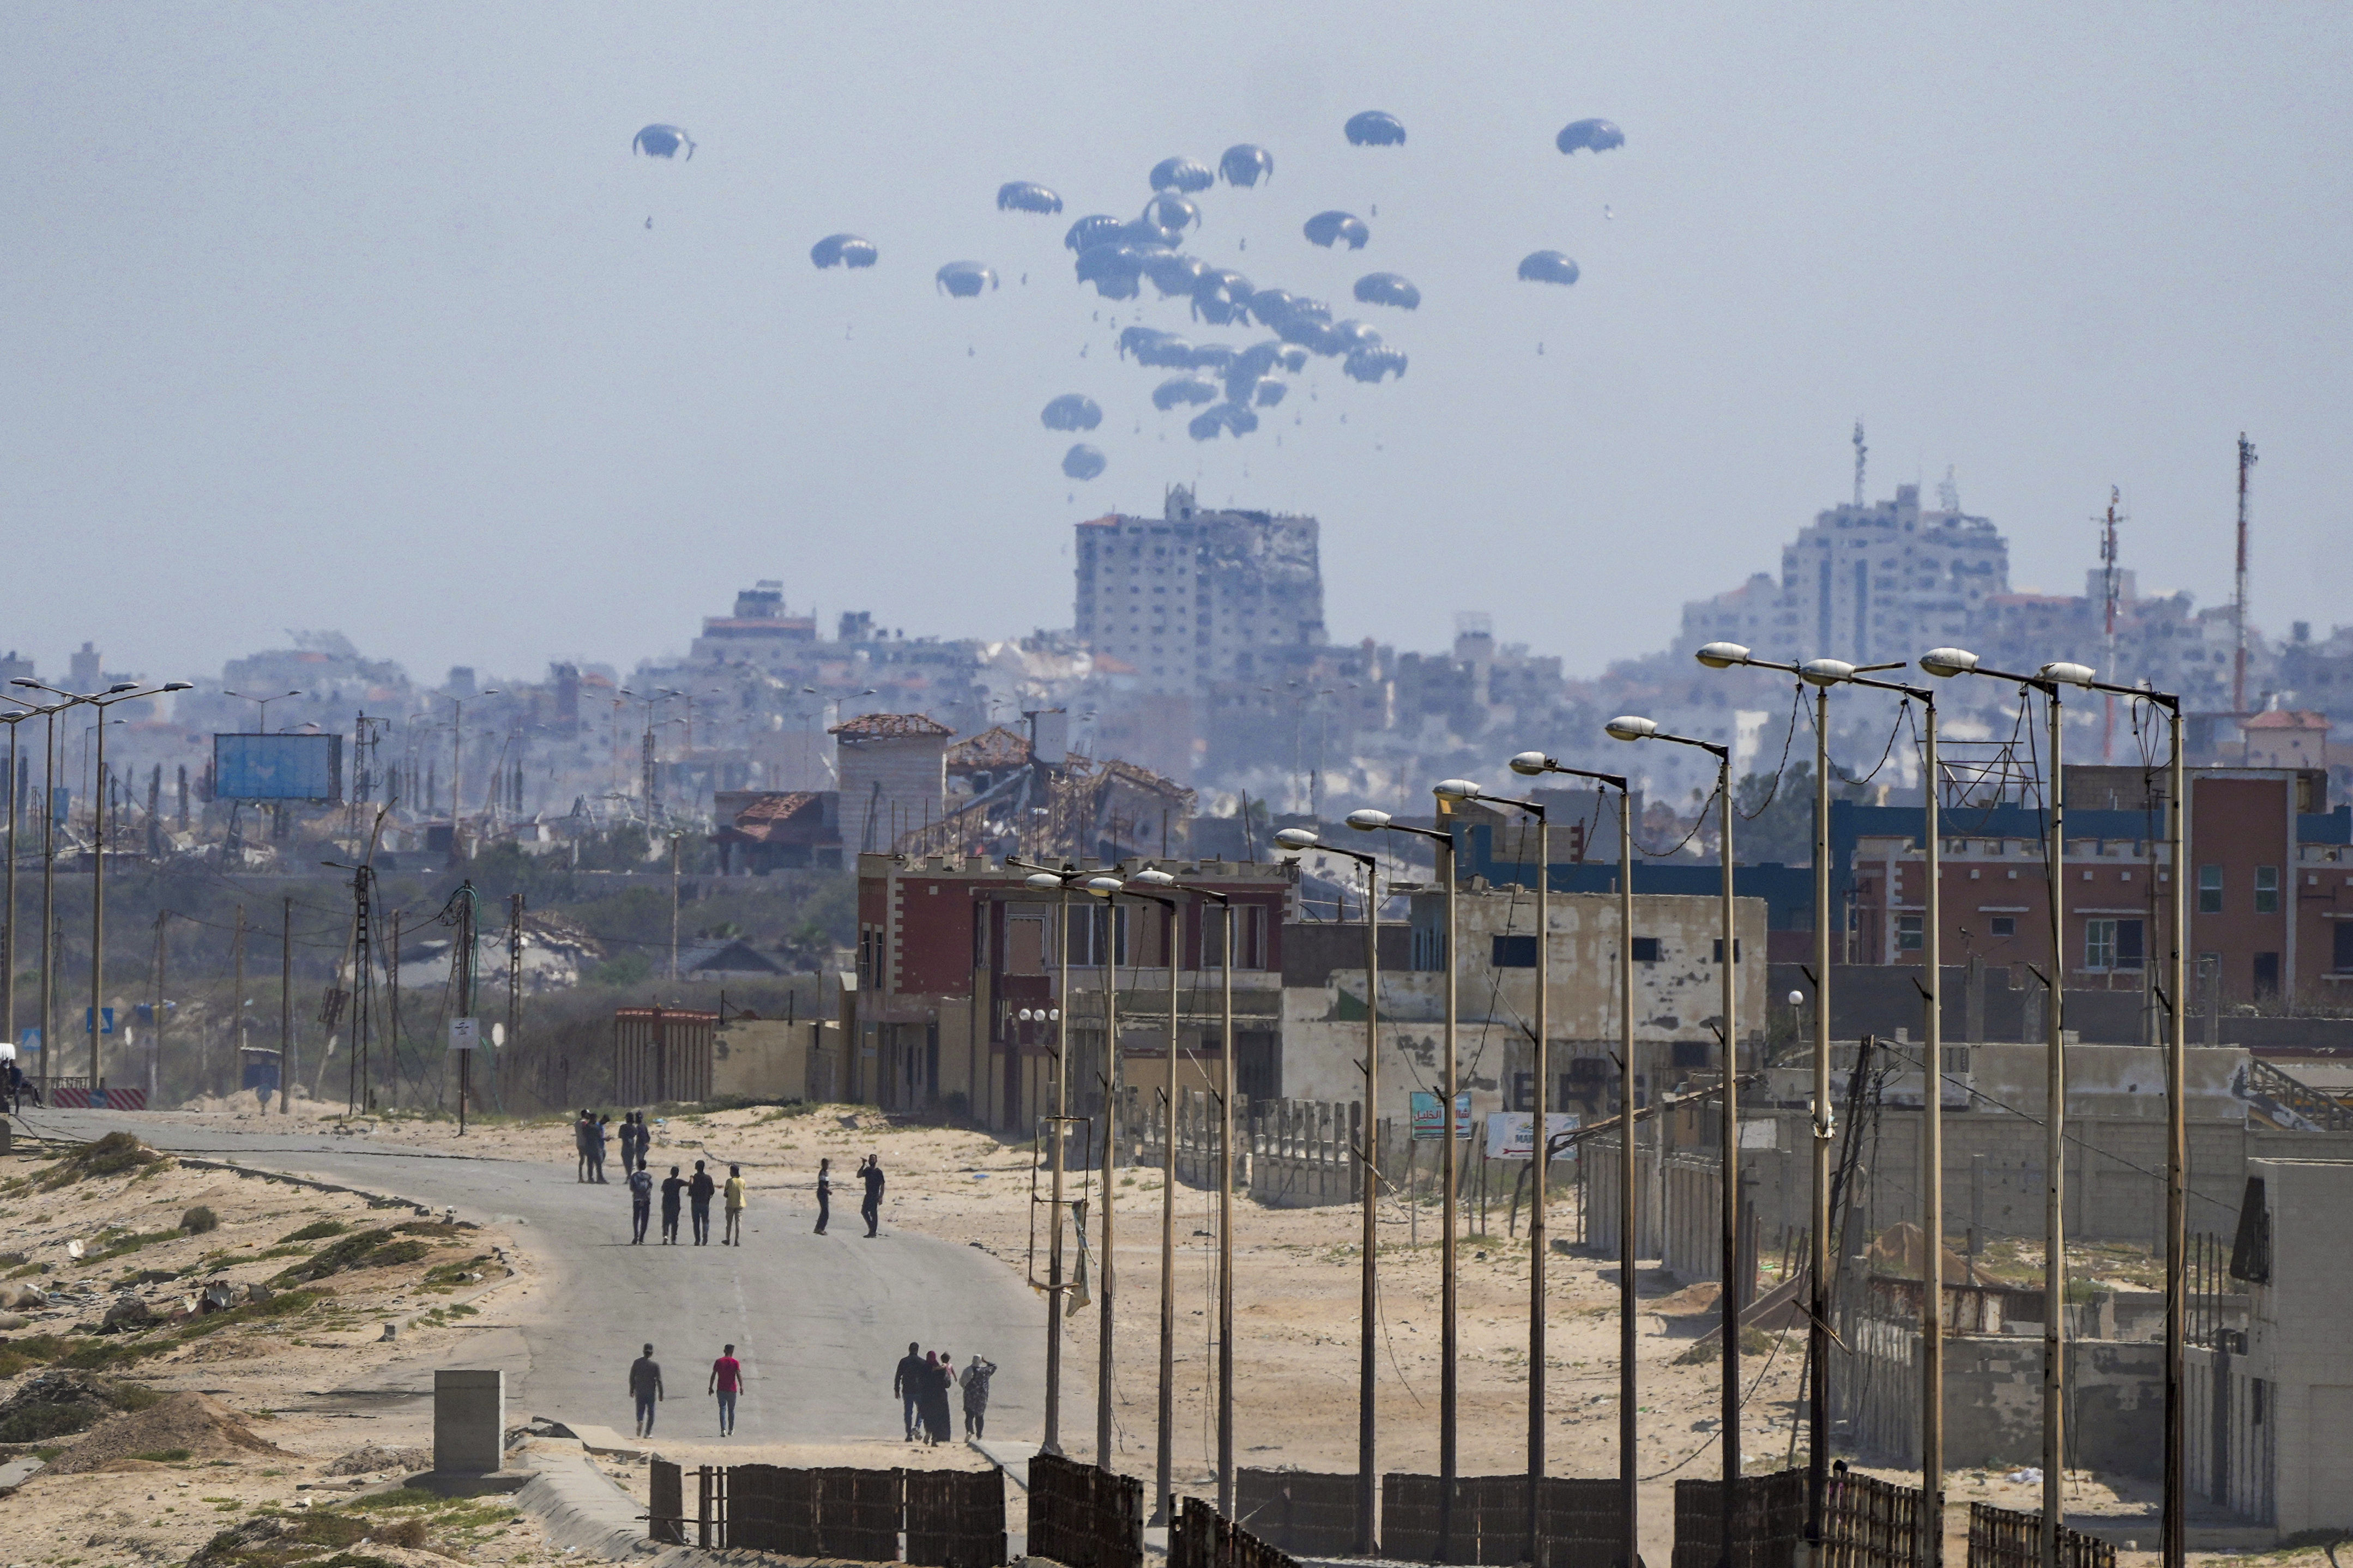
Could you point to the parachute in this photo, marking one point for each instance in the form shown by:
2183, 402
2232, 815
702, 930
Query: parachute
1083, 462
1372, 363
1245, 164
1168, 216
964, 279
1374, 129
1220, 297
1111, 269
1026, 196
1185, 174
1548, 267
662, 142
1234, 417
1096, 228
844, 250
1387, 289
1590, 136
1072, 411
1328, 228
1172, 274
1181, 389
1269, 392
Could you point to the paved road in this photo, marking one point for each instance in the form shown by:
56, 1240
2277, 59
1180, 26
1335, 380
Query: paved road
817, 1321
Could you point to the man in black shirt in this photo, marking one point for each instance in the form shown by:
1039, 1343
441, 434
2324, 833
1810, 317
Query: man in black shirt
907, 1382
870, 1174
698, 1202
645, 1388
672, 1185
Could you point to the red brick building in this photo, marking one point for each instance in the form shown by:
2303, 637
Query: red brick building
951, 950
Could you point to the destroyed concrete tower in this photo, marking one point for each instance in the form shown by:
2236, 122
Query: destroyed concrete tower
1195, 595
893, 773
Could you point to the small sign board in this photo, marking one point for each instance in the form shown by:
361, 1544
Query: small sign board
106, 1014
1511, 1134
465, 1034
1430, 1117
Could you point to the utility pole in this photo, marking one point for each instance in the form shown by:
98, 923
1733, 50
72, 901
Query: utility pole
2239, 591
2054, 1155
155, 1050
514, 972
1105, 1458
237, 1002
675, 839
464, 902
286, 1008
48, 898
392, 972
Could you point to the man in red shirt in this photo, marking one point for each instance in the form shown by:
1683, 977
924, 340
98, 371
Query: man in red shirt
727, 1382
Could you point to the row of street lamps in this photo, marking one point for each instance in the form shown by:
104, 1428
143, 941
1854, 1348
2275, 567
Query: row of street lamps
120, 691
1823, 674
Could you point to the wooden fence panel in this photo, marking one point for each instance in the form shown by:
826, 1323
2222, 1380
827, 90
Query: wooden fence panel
1302, 1511
666, 1505
1768, 1526
955, 1519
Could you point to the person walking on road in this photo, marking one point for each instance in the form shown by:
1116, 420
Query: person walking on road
734, 1194
907, 1382
641, 1205
646, 1388
628, 1141
599, 1137
672, 1185
581, 1128
697, 1204
977, 1374
727, 1382
871, 1172
934, 1405
824, 1194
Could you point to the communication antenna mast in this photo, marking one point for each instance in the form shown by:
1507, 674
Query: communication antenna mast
2239, 595
1862, 453
1948, 491
2109, 583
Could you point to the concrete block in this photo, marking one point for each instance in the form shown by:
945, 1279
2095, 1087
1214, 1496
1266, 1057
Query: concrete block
470, 1409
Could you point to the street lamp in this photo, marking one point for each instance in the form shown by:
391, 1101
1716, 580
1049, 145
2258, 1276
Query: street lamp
1368, 820
1630, 728
1534, 765
1107, 889
48, 877
1946, 663
261, 725
1821, 674
1158, 879
12, 718
120, 691
1145, 885
1368, 1481
1057, 880
1463, 789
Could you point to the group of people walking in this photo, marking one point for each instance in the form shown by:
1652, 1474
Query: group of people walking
697, 1191
592, 1134
922, 1383
646, 1389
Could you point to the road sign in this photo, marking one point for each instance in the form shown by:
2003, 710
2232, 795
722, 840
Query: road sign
107, 1028
1430, 1117
1511, 1134
465, 1034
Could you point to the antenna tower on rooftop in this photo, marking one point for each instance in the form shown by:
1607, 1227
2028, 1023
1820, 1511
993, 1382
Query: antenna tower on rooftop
2239, 594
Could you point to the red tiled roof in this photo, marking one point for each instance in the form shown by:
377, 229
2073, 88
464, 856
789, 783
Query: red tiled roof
2286, 718
892, 724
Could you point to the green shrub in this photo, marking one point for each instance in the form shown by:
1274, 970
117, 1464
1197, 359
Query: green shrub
31, 1423
200, 1219
110, 1156
398, 1252
164, 1456
281, 1305
317, 1230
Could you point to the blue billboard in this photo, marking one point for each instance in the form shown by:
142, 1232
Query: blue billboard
277, 767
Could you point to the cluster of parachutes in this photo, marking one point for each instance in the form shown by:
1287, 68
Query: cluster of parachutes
1115, 257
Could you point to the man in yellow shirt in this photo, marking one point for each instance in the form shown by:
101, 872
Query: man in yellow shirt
735, 1193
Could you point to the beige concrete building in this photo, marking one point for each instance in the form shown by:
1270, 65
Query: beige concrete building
894, 779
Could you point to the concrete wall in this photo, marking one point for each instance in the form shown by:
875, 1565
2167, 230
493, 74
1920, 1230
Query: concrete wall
1993, 1401
762, 1058
895, 781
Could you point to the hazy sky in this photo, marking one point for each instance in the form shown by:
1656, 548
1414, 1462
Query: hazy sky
350, 315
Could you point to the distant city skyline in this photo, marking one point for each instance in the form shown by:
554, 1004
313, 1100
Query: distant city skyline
378, 323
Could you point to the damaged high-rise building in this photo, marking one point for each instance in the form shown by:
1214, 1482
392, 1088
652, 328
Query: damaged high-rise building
1196, 597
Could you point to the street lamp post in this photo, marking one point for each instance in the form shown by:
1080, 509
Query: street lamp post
1368, 820
1107, 889
1630, 728
1534, 765
2174, 1525
1142, 886
1056, 880
1944, 663
1822, 674
457, 775
1540, 1154
1224, 1193
1368, 1481
8, 927
120, 691
261, 724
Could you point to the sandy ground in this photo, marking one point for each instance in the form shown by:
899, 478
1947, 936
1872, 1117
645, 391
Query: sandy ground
1296, 1283
272, 1376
